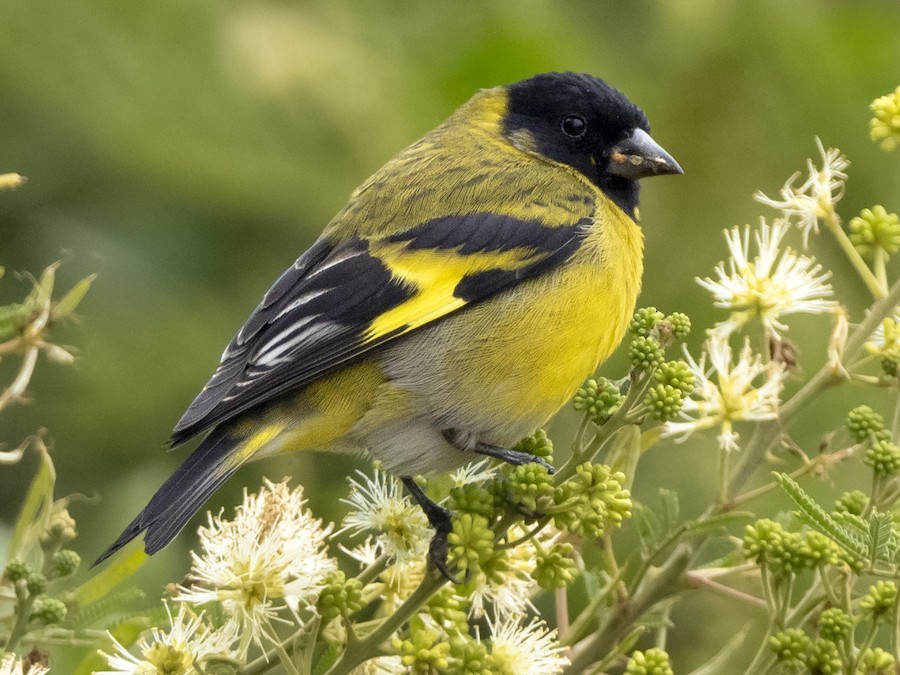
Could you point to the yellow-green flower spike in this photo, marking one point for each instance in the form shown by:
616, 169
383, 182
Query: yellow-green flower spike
884, 127
875, 229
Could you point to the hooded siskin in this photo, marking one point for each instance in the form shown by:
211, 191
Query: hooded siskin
449, 309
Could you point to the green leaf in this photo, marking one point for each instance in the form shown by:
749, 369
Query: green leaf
113, 603
12, 318
70, 301
119, 570
35, 511
819, 519
651, 437
671, 510
648, 527
880, 526
43, 290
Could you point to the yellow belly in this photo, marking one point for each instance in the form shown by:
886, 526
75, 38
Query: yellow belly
504, 367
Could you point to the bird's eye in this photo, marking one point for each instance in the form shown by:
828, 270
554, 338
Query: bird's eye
574, 126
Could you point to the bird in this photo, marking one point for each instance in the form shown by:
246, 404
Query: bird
449, 309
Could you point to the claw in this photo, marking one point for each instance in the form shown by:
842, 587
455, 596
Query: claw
440, 519
437, 550
463, 441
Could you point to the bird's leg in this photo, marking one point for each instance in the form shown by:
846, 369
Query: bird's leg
439, 519
458, 439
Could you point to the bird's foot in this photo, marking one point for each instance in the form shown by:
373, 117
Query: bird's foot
440, 520
468, 442
514, 457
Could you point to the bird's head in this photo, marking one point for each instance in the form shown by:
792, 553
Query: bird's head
581, 121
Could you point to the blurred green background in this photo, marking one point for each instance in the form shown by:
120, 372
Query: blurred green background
188, 151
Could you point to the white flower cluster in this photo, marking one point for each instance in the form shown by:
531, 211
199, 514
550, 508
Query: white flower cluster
187, 644
769, 285
11, 664
269, 559
727, 392
761, 281
815, 198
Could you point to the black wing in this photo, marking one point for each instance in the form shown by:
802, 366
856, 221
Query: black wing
336, 303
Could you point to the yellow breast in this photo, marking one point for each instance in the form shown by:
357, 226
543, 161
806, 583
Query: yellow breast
506, 365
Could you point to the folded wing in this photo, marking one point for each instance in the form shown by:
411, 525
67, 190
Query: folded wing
338, 302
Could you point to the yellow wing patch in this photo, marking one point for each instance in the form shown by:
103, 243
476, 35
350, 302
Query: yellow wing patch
435, 274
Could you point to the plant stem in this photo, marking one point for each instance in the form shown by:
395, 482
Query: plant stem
365, 649
666, 582
372, 571
561, 600
700, 581
833, 223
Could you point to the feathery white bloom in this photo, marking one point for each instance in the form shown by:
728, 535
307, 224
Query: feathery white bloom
378, 503
12, 665
816, 197
187, 643
769, 285
474, 472
270, 556
525, 650
726, 393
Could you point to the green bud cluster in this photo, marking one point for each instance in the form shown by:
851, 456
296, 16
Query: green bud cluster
876, 662
674, 383
471, 541
890, 362
598, 398
884, 458
644, 320
340, 597
767, 542
423, 652
16, 571
538, 444
884, 127
61, 530
864, 423
681, 324
64, 562
530, 487
875, 229
645, 353
591, 501
474, 498
36, 583
449, 611
878, 603
651, 662
555, 568
823, 658
469, 657
790, 647
835, 624
48, 610
819, 550
853, 503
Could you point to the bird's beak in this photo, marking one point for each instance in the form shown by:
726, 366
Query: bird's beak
639, 156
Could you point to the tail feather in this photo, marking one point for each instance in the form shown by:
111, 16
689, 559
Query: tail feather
182, 495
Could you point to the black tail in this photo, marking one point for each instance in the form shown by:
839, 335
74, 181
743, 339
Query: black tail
182, 495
